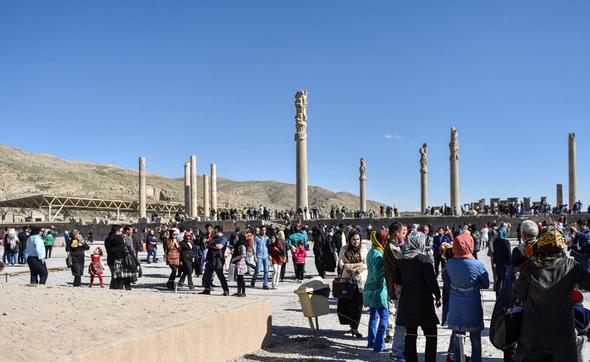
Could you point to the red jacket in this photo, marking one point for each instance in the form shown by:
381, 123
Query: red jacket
299, 254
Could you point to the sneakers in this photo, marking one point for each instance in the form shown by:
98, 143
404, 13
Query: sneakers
225, 294
265, 287
205, 292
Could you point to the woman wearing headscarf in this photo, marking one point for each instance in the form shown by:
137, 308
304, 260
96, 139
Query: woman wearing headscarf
415, 273
172, 256
352, 263
375, 292
465, 276
77, 252
545, 284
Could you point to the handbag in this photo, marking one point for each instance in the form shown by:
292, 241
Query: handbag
129, 262
69, 261
506, 325
343, 288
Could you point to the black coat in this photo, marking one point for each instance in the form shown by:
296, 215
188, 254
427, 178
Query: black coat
77, 255
548, 321
110, 242
418, 281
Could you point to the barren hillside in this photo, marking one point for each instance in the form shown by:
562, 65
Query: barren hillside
24, 173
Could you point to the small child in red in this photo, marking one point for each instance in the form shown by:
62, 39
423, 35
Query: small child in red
95, 268
299, 255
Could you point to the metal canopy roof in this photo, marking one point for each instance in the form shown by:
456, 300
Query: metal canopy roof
78, 203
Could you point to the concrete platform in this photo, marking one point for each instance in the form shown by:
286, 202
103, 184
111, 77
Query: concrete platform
83, 324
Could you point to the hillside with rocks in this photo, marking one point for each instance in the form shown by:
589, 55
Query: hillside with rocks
25, 174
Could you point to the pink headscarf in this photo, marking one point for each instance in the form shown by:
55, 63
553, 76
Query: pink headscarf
463, 246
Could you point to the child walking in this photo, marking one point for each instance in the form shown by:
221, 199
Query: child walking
95, 268
299, 255
239, 261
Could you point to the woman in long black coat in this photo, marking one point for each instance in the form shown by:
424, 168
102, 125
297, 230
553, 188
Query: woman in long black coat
77, 249
415, 274
545, 284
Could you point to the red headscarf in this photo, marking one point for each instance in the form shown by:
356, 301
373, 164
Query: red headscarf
463, 246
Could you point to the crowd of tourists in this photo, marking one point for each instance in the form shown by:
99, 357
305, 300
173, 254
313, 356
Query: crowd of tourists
538, 315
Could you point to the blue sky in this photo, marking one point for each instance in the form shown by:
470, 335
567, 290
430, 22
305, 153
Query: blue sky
106, 81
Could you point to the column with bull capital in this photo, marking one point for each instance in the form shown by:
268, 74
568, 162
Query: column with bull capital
301, 144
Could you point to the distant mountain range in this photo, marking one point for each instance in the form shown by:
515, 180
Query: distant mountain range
23, 174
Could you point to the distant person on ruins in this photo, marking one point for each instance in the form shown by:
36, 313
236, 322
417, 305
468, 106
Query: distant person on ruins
77, 253
172, 256
375, 293
36, 257
48, 242
261, 258
352, 262
215, 261
95, 269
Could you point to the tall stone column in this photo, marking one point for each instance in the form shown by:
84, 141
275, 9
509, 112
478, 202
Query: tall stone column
558, 195
214, 190
423, 178
187, 188
206, 205
454, 163
572, 169
142, 191
301, 143
363, 185
194, 204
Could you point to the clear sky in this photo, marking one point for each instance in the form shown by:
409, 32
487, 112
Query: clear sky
107, 81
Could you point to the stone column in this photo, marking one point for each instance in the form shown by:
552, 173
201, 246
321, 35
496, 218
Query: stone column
558, 195
423, 178
363, 185
187, 188
454, 158
206, 205
214, 189
142, 191
194, 204
572, 169
301, 143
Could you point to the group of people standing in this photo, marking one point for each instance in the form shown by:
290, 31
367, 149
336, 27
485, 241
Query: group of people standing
397, 276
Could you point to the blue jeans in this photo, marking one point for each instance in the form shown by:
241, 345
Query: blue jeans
12, 257
377, 325
475, 338
261, 264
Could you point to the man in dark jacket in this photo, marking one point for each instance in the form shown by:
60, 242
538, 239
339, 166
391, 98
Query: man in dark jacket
581, 244
215, 261
395, 242
22, 239
502, 259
